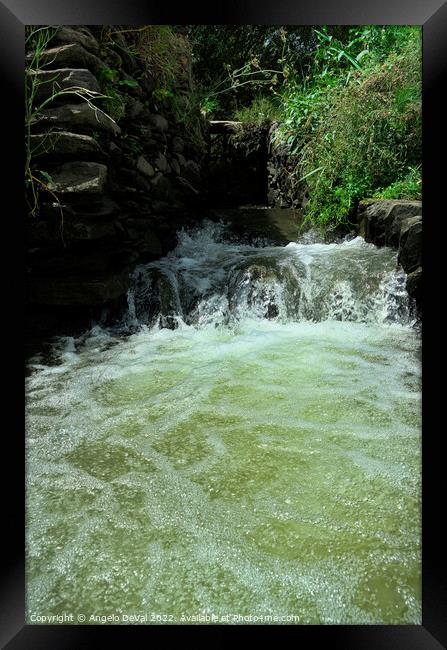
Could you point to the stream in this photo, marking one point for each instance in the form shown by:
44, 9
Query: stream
246, 443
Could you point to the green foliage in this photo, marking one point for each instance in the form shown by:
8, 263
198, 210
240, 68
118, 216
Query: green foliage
134, 144
115, 102
409, 188
235, 63
162, 56
261, 110
115, 92
347, 99
356, 132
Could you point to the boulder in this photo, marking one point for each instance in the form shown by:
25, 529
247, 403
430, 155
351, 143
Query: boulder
410, 244
380, 221
77, 117
48, 82
63, 144
144, 167
77, 34
94, 261
72, 55
79, 177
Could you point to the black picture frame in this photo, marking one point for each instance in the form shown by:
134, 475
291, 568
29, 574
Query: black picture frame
432, 16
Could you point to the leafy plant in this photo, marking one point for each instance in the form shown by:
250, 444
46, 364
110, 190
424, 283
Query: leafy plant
407, 188
261, 110
354, 131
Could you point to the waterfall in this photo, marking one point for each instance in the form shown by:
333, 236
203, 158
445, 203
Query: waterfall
210, 279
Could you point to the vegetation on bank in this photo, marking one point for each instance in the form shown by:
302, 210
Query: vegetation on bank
347, 101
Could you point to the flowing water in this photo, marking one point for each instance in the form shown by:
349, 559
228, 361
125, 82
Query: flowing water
246, 444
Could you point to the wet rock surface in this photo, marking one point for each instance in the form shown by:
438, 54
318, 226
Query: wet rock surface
397, 224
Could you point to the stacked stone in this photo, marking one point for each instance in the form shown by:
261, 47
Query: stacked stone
109, 204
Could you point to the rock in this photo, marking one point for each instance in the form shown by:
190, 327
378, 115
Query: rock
145, 133
78, 291
48, 82
175, 166
116, 153
89, 231
410, 244
161, 187
414, 285
79, 34
151, 245
94, 261
63, 144
144, 167
380, 221
161, 207
186, 188
103, 208
134, 109
147, 241
93, 208
133, 178
181, 159
161, 163
79, 177
78, 117
69, 56
191, 171
177, 144
159, 123
63, 231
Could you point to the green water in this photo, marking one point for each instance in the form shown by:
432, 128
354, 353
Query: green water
266, 467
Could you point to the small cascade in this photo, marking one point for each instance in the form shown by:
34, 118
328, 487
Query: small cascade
209, 278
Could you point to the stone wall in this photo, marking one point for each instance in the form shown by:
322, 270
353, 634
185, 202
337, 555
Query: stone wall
117, 189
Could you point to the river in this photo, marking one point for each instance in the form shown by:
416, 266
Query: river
247, 442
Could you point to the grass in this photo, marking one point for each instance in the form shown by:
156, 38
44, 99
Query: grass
261, 110
362, 138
